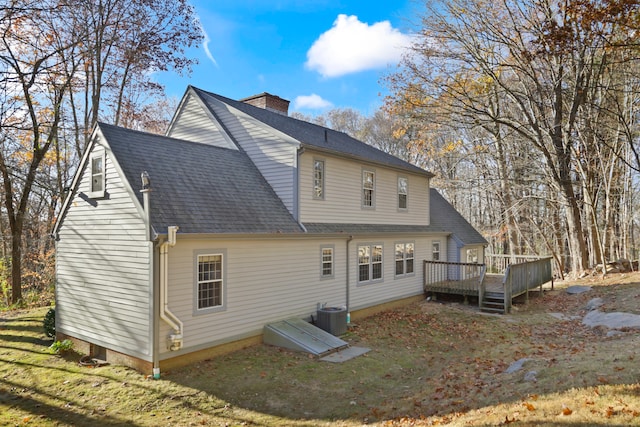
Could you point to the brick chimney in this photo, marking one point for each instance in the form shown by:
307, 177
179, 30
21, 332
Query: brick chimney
269, 102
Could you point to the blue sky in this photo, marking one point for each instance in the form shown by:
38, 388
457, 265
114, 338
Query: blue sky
319, 54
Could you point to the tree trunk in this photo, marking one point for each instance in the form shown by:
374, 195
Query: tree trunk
16, 267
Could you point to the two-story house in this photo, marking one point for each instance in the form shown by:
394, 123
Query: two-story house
172, 248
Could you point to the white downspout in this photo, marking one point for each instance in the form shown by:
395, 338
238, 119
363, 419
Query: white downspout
175, 340
349, 239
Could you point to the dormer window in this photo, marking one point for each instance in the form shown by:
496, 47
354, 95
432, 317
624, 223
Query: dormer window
97, 176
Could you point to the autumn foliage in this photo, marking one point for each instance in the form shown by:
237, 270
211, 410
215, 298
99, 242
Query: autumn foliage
526, 111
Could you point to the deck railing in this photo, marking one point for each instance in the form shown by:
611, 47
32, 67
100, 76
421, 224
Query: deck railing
497, 264
520, 278
459, 278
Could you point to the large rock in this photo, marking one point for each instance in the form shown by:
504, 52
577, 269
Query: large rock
594, 304
624, 265
621, 265
614, 320
517, 365
578, 289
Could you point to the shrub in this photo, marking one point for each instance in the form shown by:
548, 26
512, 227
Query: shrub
61, 346
49, 323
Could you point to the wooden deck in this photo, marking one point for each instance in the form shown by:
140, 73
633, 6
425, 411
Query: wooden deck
495, 292
469, 287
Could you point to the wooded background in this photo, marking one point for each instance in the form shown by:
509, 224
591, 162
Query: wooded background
526, 111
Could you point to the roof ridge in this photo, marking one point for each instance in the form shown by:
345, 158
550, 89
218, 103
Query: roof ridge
101, 125
315, 136
240, 102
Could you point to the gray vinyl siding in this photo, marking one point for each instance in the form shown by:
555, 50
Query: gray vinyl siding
195, 123
390, 288
273, 153
454, 253
453, 250
103, 261
265, 281
342, 202
269, 280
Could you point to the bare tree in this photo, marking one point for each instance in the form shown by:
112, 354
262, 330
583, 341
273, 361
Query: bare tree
34, 87
127, 42
64, 65
540, 62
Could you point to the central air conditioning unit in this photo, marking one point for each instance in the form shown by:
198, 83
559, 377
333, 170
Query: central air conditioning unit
332, 320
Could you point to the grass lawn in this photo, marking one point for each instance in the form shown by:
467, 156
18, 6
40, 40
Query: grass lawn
431, 363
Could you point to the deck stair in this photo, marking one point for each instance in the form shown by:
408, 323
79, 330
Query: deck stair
493, 302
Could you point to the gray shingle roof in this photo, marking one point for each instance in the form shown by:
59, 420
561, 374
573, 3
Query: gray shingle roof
198, 187
313, 136
446, 217
359, 229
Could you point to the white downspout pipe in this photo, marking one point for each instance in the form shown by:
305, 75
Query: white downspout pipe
349, 239
175, 340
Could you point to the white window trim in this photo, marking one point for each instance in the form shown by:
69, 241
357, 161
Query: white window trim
373, 190
322, 262
404, 259
322, 181
406, 194
202, 253
439, 252
98, 193
469, 251
370, 263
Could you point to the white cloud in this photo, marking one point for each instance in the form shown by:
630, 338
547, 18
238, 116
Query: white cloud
205, 46
312, 101
351, 46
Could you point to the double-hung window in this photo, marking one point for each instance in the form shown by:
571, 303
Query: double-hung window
435, 251
369, 263
97, 175
209, 282
318, 179
404, 258
368, 188
402, 192
326, 268
472, 255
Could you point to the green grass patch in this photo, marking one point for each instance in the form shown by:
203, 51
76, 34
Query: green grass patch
430, 363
